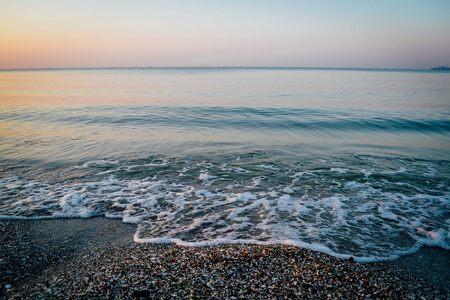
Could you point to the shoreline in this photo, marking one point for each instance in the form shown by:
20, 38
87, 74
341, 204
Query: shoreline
38, 257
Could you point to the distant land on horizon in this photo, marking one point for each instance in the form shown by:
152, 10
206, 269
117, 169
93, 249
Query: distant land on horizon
446, 68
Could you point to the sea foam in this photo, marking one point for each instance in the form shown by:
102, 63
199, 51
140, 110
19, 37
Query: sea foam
362, 216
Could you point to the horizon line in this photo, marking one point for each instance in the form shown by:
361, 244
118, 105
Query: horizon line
216, 67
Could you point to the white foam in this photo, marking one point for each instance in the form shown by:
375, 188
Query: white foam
288, 190
269, 167
206, 177
106, 172
286, 203
99, 163
313, 247
301, 174
366, 173
336, 206
73, 206
241, 171
311, 211
130, 168
256, 182
339, 170
244, 197
401, 170
132, 219
183, 172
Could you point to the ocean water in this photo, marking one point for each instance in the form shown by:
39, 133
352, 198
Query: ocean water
347, 162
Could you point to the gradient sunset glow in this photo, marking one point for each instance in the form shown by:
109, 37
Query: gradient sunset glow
360, 34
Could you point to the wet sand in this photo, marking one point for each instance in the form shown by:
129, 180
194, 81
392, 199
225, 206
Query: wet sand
32, 248
89, 258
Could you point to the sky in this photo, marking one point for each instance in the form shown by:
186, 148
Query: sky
407, 34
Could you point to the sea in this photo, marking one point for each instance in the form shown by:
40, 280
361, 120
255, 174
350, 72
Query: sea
349, 162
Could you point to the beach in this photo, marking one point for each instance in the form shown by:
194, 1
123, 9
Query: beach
96, 258
254, 183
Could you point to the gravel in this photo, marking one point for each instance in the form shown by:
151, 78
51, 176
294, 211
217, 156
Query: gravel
100, 267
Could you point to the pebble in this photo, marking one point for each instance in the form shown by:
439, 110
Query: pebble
34, 267
224, 272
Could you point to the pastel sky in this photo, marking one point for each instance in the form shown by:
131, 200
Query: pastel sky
170, 33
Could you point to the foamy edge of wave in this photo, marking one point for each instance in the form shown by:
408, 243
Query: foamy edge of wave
315, 248
217, 242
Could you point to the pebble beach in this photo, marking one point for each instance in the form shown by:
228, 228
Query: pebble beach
84, 259
102, 168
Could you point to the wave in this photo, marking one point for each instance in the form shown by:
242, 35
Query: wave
235, 118
371, 208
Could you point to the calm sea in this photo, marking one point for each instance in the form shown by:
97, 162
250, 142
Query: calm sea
347, 162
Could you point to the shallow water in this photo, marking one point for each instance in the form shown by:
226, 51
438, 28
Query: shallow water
348, 162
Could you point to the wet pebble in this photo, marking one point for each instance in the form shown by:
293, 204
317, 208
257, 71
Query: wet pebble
145, 271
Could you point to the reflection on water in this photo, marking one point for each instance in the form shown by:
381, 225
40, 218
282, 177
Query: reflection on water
316, 158
73, 114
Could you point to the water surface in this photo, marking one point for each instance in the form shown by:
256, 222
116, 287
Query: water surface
348, 162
